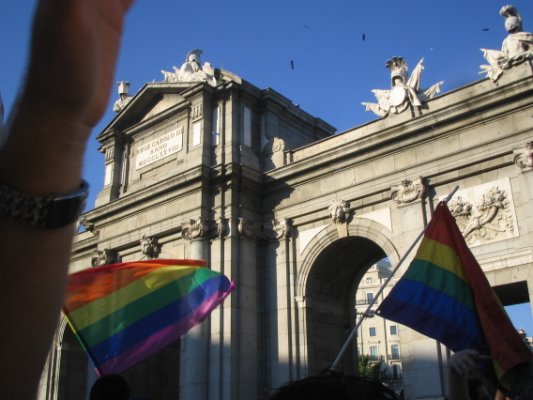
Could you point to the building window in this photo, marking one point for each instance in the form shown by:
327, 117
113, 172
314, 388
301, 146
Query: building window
372, 331
124, 168
369, 280
393, 329
197, 133
369, 297
395, 352
374, 353
108, 176
396, 371
217, 121
247, 127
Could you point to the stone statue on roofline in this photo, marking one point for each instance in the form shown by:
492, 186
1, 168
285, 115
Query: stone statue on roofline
517, 47
124, 96
404, 91
192, 71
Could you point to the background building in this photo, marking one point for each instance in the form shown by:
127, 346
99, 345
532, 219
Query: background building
377, 337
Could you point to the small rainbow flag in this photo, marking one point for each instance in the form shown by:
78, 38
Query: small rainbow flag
445, 295
123, 313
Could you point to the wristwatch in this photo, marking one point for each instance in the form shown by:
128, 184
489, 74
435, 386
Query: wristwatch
52, 211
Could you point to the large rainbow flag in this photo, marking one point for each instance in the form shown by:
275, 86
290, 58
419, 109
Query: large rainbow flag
445, 295
123, 313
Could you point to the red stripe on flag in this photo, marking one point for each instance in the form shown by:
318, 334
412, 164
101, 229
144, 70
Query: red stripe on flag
101, 283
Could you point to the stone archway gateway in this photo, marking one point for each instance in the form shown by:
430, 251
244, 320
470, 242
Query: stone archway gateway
295, 214
333, 263
330, 299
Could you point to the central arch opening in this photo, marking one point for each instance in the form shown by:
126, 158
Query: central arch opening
330, 297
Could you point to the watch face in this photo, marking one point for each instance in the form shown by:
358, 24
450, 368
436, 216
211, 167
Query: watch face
397, 96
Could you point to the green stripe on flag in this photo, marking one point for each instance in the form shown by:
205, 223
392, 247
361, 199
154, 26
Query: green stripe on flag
101, 308
144, 306
442, 280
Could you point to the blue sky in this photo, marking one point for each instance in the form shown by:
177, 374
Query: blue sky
334, 68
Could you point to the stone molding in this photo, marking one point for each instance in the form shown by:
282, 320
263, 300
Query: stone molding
300, 301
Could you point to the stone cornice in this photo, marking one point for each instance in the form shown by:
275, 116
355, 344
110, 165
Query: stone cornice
146, 198
475, 103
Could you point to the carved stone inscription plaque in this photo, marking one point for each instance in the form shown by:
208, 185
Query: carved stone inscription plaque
161, 147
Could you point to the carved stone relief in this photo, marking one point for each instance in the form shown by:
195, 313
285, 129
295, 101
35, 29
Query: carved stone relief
408, 191
340, 212
341, 215
88, 225
281, 228
205, 228
151, 247
523, 158
249, 228
104, 257
194, 228
485, 213
277, 229
219, 228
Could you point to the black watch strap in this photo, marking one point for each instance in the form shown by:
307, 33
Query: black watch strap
49, 212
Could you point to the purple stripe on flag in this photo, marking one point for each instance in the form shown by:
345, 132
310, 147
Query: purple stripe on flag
159, 339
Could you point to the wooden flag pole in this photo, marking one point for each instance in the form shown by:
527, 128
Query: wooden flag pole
368, 310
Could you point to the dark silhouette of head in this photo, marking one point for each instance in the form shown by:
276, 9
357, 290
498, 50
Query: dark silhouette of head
335, 386
110, 387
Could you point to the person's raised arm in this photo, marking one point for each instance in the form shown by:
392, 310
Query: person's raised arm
71, 68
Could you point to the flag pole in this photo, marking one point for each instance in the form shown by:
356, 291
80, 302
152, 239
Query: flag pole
368, 310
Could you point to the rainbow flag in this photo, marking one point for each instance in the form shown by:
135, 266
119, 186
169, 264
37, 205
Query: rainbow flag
445, 295
123, 313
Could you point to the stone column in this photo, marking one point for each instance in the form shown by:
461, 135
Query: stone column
195, 344
246, 310
280, 311
220, 362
